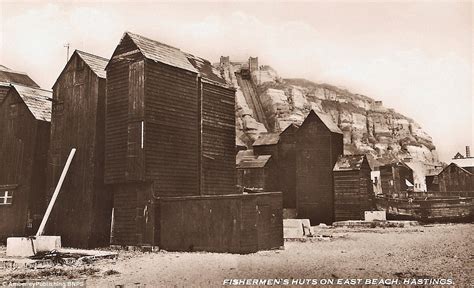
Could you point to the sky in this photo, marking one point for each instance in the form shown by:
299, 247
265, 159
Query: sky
415, 56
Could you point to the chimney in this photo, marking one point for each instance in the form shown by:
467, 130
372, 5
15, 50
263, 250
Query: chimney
468, 152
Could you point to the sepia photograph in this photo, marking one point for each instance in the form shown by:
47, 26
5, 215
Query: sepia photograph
231, 143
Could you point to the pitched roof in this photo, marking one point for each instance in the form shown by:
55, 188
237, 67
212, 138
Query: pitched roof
206, 69
9, 76
464, 162
37, 100
327, 120
96, 63
267, 139
457, 166
349, 162
243, 154
255, 162
160, 52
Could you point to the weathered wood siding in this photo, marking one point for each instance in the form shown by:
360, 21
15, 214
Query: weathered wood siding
454, 178
393, 178
317, 151
118, 144
287, 166
171, 130
218, 140
224, 223
353, 193
82, 212
23, 149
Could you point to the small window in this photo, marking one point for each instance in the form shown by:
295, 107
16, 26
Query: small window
6, 197
13, 110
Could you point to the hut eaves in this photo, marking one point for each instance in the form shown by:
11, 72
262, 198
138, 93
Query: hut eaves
349, 162
256, 162
267, 139
38, 101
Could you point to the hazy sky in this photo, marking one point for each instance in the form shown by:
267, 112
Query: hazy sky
415, 56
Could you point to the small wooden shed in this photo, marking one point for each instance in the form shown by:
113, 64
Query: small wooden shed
267, 144
353, 191
455, 179
318, 145
257, 173
25, 116
396, 179
83, 210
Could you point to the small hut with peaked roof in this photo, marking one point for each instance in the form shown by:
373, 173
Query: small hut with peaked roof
353, 191
25, 116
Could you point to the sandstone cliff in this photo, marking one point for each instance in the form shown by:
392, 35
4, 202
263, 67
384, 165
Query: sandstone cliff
368, 126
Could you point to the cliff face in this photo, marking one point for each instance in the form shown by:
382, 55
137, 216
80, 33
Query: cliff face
368, 126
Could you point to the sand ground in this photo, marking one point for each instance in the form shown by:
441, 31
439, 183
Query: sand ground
434, 251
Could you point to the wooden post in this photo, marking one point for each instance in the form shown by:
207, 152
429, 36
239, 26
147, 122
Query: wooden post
56, 192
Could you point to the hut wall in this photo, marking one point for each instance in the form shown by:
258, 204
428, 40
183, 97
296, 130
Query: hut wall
453, 179
82, 212
267, 150
22, 173
172, 129
287, 167
318, 149
223, 223
352, 194
117, 120
218, 140
393, 178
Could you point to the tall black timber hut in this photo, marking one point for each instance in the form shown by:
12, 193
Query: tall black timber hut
318, 145
170, 155
83, 210
25, 116
353, 190
282, 147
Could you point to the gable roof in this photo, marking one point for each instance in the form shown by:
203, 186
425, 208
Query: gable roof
160, 52
96, 63
326, 119
349, 162
458, 156
37, 100
7, 75
243, 154
254, 162
456, 166
397, 163
464, 162
264, 139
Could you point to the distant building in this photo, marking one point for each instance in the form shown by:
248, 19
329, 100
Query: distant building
396, 179
25, 116
318, 146
455, 179
466, 162
353, 192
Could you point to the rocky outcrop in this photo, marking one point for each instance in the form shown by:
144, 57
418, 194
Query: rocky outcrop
367, 125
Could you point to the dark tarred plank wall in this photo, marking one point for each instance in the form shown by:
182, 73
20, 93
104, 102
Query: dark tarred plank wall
318, 149
171, 130
218, 140
17, 150
117, 116
82, 215
454, 178
287, 167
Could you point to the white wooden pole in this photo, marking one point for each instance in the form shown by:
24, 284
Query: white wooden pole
56, 192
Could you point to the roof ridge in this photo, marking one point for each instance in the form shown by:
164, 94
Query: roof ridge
90, 54
149, 39
35, 88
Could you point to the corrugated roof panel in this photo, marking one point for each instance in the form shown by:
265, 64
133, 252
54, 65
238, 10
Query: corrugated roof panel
38, 101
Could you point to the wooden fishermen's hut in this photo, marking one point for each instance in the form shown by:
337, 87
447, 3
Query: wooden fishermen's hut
455, 179
257, 173
83, 210
318, 145
170, 155
396, 179
287, 165
353, 191
9, 76
25, 116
